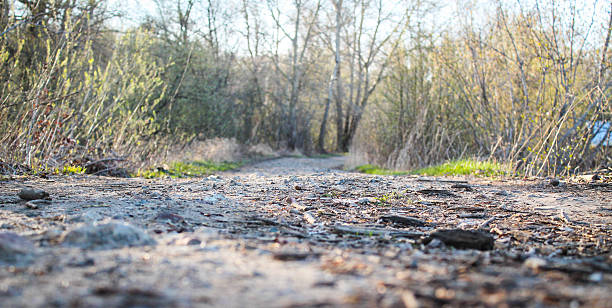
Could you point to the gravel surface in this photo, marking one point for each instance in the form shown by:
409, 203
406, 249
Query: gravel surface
300, 232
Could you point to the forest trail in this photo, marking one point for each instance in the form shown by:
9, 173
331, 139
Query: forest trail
294, 166
297, 232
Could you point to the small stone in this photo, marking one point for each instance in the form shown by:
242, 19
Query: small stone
214, 198
194, 241
293, 256
502, 193
463, 186
15, 249
309, 218
554, 182
33, 194
366, 200
52, 235
35, 204
31, 205
596, 277
188, 241
106, 236
324, 284
171, 217
82, 261
89, 217
534, 263
435, 243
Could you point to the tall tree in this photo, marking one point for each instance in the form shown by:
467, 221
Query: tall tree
374, 33
305, 17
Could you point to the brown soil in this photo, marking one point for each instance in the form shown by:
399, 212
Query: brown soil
295, 232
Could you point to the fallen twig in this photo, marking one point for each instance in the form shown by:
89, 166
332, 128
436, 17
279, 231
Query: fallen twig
344, 229
438, 192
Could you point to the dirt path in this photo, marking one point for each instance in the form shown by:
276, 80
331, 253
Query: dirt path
294, 232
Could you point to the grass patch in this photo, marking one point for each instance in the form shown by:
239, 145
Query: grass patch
455, 167
69, 170
371, 169
464, 167
188, 169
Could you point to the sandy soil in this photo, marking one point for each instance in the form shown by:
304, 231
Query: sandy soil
298, 232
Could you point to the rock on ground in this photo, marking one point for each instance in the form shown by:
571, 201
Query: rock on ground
15, 249
109, 235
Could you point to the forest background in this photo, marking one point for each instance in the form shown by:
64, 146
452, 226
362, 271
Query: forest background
400, 84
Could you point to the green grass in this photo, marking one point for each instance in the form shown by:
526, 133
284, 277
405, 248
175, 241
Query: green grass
371, 169
188, 169
68, 170
465, 167
455, 167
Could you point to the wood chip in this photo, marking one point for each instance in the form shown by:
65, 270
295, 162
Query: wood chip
294, 256
404, 221
463, 239
437, 192
463, 186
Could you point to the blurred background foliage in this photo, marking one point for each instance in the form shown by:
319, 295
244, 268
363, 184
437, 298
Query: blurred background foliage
519, 84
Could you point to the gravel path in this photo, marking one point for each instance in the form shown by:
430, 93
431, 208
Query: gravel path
297, 232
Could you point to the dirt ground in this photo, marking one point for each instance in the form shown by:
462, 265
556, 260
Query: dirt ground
300, 232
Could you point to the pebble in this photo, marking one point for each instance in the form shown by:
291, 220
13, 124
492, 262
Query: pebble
15, 249
435, 243
110, 235
554, 182
35, 204
29, 193
596, 277
534, 263
90, 216
214, 198
171, 217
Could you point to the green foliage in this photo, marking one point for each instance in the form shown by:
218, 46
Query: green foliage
371, 169
69, 170
89, 92
465, 167
75, 93
455, 167
523, 94
189, 169
392, 198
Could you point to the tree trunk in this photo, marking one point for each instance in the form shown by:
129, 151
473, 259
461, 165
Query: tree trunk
323, 129
337, 76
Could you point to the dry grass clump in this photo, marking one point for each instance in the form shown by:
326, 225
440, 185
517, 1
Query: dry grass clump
219, 150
